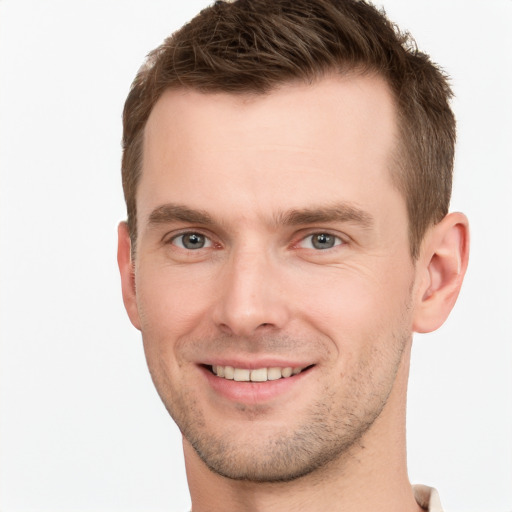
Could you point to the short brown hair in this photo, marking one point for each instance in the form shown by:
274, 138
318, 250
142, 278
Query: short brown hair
253, 46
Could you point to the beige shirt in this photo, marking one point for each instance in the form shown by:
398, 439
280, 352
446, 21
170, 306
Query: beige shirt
427, 498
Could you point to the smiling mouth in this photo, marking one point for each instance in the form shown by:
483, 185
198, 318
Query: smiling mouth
256, 375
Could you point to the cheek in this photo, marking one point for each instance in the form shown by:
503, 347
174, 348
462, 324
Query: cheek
356, 306
170, 298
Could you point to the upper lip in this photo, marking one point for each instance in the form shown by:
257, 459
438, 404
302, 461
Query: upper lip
254, 364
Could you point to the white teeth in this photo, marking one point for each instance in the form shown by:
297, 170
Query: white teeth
229, 372
242, 375
257, 375
286, 372
274, 373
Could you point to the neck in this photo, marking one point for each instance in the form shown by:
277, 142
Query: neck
371, 476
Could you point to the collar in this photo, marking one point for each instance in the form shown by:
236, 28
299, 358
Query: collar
427, 498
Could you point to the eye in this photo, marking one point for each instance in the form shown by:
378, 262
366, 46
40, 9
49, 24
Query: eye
191, 241
320, 241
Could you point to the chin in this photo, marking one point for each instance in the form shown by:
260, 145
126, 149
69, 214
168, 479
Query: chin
269, 453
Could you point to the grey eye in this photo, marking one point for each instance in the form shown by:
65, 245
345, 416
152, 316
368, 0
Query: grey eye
323, 241
192, 241
320, 241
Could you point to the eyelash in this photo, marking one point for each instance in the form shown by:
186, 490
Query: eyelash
181, 236
336, 240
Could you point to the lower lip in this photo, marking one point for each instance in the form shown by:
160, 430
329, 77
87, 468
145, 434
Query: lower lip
253, 392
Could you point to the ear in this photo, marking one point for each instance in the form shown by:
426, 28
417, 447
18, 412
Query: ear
441, 265
127, 271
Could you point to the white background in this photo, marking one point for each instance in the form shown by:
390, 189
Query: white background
81, 426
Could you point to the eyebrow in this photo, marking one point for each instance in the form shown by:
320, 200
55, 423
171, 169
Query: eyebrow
341, 212
169, 213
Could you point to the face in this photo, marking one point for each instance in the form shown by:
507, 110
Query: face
273, 275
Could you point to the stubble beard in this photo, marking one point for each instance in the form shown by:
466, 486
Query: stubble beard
286, 454
330, 430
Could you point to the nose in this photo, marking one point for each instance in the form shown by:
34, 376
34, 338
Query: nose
251, 296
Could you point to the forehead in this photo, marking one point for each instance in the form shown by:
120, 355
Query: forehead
327, 107
327, 138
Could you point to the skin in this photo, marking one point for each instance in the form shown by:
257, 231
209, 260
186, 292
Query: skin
258, 177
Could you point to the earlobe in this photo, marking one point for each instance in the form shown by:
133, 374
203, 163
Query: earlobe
126, 269
443, 262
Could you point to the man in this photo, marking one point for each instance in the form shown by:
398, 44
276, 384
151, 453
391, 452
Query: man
287, 173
